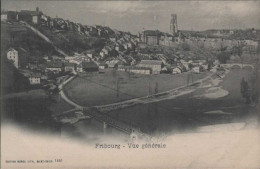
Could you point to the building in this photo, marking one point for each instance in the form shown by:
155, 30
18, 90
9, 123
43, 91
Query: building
112, 63
141, 70
90, 53
173, 24
155, 65
103, 53
93, 31
176, 70
87, 67
3, 16
35, 79
69, 67
151, 37
113, 38
103, 66
55, 67
30, 16
9, 16
12, 55
135, 69
130, 45
119, 48
197, 69
18, 56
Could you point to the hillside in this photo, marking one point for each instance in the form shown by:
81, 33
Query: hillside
71, 41
17, 35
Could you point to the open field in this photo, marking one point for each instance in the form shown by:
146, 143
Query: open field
114, 86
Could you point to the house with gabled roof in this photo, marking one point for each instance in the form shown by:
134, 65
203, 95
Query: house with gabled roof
87, 67
69, 67
12, 55
35, 78
18, 56
155, 65
55, 67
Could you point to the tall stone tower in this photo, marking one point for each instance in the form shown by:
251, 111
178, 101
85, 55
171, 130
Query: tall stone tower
173, 24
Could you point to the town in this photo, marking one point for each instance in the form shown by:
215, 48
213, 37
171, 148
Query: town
89, 71
149, 52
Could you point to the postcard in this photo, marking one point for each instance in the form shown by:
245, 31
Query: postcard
130, 84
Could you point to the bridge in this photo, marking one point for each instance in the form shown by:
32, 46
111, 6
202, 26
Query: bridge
230, 65
109, 121
75, 115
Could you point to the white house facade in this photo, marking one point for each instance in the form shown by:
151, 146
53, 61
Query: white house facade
12, 55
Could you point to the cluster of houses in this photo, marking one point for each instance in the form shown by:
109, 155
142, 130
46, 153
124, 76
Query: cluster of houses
86, 62
116, 53
155, 37
55, 65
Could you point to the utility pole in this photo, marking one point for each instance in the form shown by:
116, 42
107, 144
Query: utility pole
117, 86
156, 90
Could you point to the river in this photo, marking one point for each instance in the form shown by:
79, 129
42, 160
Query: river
210, 104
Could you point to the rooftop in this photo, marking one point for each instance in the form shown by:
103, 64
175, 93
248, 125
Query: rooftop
54, 65
69, 64
30, 12
152, 33
88, 65
151, 62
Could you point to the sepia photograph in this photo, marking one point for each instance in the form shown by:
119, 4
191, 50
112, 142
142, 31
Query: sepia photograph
130, 84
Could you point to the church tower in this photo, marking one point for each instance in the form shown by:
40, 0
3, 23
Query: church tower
173, 24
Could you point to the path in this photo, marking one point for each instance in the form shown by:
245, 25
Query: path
63, 95
44, 38
173, 93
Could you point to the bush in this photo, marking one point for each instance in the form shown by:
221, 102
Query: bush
185, 47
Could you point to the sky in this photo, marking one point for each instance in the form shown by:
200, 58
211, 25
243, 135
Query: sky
134, 16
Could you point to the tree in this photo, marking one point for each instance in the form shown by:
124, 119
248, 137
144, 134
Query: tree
210, 64
224, 55
156, 90
117, 87
238, 49
185, 47
245, 90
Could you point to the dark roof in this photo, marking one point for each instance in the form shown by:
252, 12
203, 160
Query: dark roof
141, 68
30, 12
135, 67
4, 12
69, 64
151, 62
9, 12
102, 64
152, 33
90, 51
89, 65
19, 50
54, 65
35, 75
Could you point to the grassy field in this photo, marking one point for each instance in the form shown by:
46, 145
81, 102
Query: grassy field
114, 86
